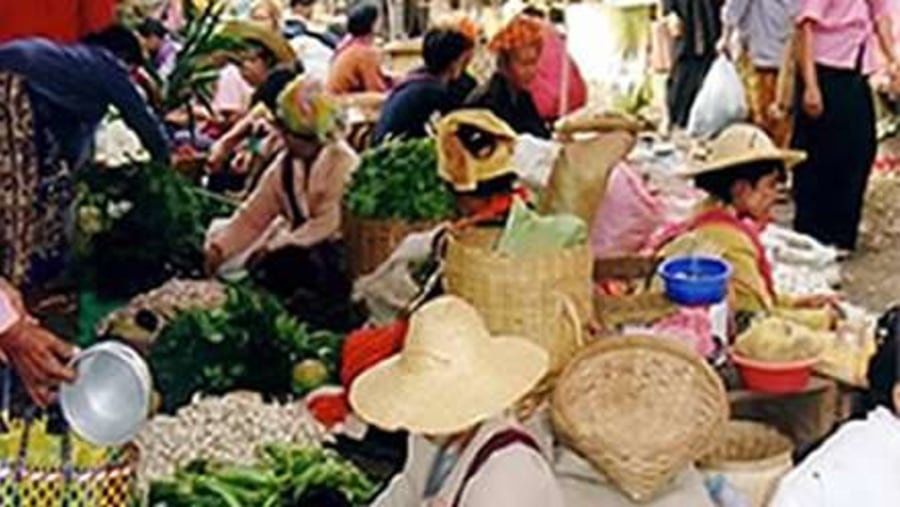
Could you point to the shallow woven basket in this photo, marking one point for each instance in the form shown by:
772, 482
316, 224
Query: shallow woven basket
370, 242
640, 409
753, 457
543, 297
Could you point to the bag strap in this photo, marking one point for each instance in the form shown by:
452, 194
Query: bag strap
287, 182
496, 443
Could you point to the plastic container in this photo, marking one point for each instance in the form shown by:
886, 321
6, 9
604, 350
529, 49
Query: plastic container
774, 378
695, 280
110, 400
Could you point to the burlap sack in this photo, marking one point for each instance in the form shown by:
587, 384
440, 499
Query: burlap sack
579, 177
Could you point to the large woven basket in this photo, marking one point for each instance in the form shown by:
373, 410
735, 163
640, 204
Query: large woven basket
370, 242
640, 409
544, 297
753, 457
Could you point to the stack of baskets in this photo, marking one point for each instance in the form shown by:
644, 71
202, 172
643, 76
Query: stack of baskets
544, 297
640, 409
753, 458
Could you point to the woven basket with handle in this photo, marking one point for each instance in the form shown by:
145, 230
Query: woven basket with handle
753, 457
370, 242
544, 297
640, 409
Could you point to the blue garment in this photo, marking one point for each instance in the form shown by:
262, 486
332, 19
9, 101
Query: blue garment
72, 87
410, 107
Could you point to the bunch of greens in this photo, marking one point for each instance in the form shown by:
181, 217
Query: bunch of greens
399, 180
283, 476
138, 226
250, 343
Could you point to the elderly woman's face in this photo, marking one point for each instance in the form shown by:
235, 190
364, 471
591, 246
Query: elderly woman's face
521, 65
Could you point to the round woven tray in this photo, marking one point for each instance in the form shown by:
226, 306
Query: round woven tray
640, 409
752, 456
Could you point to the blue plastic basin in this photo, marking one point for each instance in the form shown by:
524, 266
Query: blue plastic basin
695, 280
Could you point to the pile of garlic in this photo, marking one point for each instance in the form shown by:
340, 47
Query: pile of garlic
228, 428
801, 266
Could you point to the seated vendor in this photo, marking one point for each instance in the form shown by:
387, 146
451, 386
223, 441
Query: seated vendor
424, 93
302, 189
356, 66
465, 450
518, 47
860, 463
742, 174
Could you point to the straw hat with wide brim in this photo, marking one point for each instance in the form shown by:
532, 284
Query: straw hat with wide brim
742, 144
451, 374
273, 41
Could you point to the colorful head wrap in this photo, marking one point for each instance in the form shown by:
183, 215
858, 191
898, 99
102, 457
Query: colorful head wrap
306, 109
520, 32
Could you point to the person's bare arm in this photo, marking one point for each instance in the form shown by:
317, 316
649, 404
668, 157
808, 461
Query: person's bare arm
884, 30
813, 103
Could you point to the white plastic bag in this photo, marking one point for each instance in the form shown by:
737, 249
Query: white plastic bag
533, 159
721, 101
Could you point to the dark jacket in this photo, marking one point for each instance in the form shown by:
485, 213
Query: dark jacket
410, 107
515, 107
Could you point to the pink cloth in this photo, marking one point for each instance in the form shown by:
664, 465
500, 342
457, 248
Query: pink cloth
627, 216
842, 28
232, 92
690, 326
546, 89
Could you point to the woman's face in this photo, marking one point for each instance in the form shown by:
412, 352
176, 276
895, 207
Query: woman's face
521, 65
254, 68
758, 200
304, 147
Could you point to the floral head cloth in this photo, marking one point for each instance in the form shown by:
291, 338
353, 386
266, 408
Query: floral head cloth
521, 31
306, 109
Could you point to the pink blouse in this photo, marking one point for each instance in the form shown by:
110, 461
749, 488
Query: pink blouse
842, 29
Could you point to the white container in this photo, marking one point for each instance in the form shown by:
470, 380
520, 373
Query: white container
110, 399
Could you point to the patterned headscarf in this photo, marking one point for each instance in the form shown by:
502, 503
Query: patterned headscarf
306, 109
521, 31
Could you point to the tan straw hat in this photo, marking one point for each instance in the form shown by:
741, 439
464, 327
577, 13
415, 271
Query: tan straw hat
741, 144
254, 32
450, 375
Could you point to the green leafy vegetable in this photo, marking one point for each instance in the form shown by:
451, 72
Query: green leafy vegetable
250, 343
399, 180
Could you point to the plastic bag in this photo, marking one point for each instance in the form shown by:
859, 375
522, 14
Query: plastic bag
533, 159
527, 232
721, 101
627, 217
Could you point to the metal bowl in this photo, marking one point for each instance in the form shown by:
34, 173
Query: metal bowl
110, 400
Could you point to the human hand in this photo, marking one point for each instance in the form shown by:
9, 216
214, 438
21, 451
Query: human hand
218, 154
723, 47
39, 357
214, 259
813, 104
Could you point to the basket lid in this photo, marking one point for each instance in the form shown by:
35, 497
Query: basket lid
743, 444
640, 409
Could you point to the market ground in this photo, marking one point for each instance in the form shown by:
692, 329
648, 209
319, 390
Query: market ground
872, 278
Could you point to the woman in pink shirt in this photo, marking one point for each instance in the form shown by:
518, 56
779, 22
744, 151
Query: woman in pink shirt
835, 113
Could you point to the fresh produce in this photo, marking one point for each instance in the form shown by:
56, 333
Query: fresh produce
146, 315
399, 180
249, 343
228, 428
138, 226
283, 476
777, 340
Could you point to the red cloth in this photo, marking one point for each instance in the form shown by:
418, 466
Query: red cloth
60, 20
367, 347
546, 89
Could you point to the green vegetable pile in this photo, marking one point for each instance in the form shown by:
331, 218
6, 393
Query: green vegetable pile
283, 476
399, 180
250, 343
138, 226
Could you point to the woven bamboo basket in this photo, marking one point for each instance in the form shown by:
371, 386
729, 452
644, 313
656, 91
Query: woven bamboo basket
370, 242
753, 458
544, 297
640, 409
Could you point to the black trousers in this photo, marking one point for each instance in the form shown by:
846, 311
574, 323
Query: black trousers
684, 84
829, 188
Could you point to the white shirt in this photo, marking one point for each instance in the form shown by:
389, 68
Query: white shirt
517, 476
314, 54
857, 467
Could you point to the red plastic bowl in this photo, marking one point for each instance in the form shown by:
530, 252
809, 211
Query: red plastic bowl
774, 378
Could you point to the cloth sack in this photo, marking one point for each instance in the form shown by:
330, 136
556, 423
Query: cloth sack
579, 177
626, 217
721, 101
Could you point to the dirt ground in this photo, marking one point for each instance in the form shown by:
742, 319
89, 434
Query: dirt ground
872, 278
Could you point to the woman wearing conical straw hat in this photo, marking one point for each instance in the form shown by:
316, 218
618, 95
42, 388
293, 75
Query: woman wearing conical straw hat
450, 387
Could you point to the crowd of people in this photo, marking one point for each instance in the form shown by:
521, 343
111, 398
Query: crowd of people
276, 129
